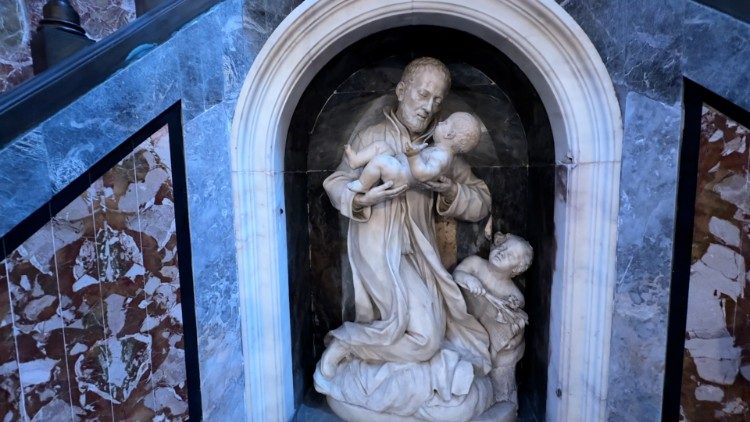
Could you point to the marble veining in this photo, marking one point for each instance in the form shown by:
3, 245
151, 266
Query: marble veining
646, 227
716, 369
47, 158
710, 41
640, 45
665, 41
27, 159
95, 302
211, 229
717, 50
15, 34
10, 382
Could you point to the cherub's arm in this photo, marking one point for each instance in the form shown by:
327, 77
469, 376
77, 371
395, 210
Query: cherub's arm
365, 155
466, 273
428, 164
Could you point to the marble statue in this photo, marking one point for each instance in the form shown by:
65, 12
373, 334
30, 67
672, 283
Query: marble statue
413, 352
498, 304
458, 134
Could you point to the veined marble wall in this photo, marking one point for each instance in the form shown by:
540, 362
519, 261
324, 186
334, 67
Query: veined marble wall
19, 20
92, 328
647, 47
716, 369
203, 66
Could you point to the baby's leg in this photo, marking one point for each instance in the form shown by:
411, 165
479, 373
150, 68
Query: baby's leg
380, 167
365, 155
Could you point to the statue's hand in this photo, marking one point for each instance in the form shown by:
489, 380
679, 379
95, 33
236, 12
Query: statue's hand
444, 186
469, 282
378, 194
473, 285
411, 150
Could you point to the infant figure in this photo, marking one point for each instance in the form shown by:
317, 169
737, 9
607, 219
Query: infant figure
458, 134
498, 305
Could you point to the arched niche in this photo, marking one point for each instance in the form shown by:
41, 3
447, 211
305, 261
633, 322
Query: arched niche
565, 70
515, 158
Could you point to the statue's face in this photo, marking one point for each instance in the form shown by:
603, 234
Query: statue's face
445, 130
506, 256
420, 99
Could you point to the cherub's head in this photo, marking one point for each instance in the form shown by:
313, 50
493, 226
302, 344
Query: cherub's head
460, 130
511, 254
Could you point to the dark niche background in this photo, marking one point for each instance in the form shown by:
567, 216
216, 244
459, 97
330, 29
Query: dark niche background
515, 158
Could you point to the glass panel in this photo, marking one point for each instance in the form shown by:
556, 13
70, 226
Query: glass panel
20, 21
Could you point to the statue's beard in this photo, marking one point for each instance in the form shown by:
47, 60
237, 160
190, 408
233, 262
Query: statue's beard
416, 125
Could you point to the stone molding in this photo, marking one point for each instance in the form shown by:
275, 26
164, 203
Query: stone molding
577, 92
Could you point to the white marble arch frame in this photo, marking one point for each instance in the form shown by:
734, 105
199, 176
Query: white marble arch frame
565, 69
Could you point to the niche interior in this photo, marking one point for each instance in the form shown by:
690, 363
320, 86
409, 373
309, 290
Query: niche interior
515, 158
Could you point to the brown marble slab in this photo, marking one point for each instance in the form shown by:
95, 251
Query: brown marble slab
40, 332
159, 247
10, 384
78, 279
716, 365
94, 298
122, 278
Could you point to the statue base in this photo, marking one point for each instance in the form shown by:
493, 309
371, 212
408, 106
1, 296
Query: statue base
500, 412
351, 413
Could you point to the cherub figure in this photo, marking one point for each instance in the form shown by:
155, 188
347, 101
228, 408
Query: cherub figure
497, 303
458, 134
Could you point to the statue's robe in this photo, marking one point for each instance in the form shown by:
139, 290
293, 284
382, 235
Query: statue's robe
412, 332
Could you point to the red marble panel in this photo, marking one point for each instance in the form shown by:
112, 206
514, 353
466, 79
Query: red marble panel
40, 333
122, 277
716, 365
159, 246
94, 298
78, 279
10, 383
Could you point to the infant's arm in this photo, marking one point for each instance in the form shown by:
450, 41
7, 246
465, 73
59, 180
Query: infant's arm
466, 274
366, 154
429, 164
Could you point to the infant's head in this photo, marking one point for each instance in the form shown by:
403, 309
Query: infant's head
460, 130
510, 253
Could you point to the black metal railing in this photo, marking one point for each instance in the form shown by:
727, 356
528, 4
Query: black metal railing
38, 98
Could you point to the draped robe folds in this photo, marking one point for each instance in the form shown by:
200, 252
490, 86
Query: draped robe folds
411, 318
